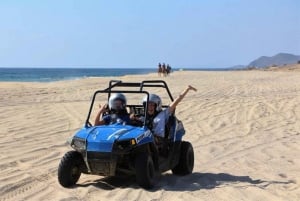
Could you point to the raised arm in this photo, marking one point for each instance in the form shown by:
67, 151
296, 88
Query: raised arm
99, 115
180, 97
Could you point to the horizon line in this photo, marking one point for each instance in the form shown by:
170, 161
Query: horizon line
89, 67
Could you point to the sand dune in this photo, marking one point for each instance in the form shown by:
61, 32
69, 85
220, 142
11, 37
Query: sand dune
244, 126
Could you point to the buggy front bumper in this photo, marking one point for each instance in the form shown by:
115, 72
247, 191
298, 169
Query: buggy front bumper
102, 163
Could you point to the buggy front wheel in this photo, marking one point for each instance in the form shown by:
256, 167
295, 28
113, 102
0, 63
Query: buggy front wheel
70, 168
145, 170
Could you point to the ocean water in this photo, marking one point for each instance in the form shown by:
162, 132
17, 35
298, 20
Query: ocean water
56, 74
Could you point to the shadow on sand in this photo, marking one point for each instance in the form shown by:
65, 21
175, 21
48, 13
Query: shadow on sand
193, 182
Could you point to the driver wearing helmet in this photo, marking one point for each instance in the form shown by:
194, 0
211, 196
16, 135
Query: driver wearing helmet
157, 118
117, 111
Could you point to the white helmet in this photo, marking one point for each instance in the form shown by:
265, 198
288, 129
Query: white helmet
154, 99
115, 97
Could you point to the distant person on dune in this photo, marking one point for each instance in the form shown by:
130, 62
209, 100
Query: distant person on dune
169, 69
159, 70
164, 70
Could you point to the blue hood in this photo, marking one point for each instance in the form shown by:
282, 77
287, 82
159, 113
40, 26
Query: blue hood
102, 138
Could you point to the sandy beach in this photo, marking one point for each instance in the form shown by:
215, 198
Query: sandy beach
244, 127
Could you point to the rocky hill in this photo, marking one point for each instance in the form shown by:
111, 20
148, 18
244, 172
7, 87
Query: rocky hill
277, 60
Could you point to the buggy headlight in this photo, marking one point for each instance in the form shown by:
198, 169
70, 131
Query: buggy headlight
132, 142
78, 144
126, 144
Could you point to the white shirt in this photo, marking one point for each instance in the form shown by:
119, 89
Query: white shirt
159, 122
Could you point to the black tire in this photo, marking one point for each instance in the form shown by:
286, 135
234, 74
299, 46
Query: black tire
145, 170
185, 165
70, 168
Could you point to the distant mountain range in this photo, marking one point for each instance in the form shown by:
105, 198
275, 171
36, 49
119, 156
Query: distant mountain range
276, 60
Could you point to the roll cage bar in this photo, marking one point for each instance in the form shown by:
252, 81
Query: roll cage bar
139, 85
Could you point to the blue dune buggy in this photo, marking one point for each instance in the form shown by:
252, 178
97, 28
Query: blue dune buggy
118, 149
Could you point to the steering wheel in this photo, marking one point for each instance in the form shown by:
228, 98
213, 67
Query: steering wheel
136, 122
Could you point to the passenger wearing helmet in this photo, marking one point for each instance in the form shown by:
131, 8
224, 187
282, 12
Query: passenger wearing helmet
157, 118
117, 111
154, 108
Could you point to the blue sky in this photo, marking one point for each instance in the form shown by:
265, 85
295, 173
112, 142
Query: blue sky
141, 33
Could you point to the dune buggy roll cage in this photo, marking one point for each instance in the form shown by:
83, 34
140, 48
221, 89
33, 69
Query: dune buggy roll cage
139, 85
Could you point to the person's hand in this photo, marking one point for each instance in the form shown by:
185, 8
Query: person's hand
192, 88
103, 108
132, 116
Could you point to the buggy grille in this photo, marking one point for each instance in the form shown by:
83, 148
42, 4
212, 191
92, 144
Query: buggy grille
102, 163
